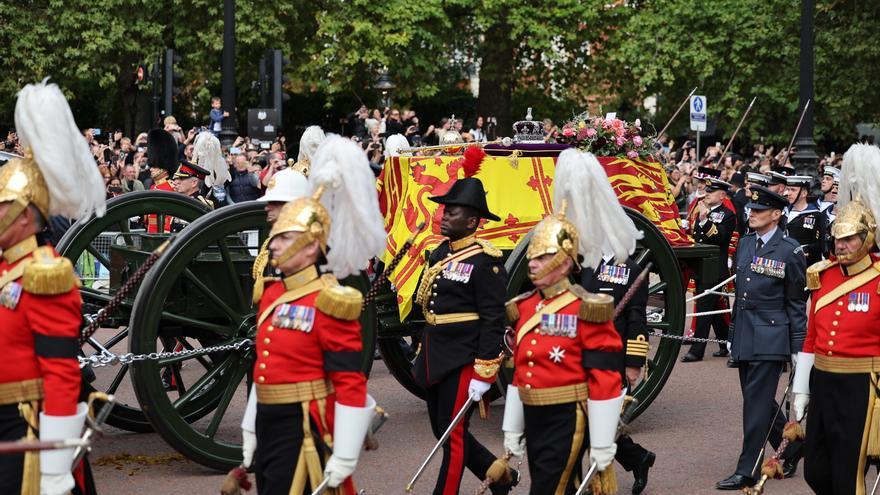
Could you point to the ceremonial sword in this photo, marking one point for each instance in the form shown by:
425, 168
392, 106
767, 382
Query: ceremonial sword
458, 417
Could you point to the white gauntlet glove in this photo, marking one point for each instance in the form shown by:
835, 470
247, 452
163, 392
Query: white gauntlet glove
604, 416
514, 423
801, 385
349, 431
248, 429
56, 465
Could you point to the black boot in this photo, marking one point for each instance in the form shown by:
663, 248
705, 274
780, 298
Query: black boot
735, 482
794, 452
640, 473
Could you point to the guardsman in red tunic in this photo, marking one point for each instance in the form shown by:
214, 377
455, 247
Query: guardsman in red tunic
309, 411
39, 297
837, 372
162, 156
567, 390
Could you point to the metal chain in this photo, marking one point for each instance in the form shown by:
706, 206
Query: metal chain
687, 339
107, 358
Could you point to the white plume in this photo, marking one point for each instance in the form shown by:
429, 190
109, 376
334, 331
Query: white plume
357, 233
309, 143
860, 177
45, 125
603, 225
394, 144
206, 151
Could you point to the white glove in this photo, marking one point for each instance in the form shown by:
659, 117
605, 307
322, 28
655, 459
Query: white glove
477, 388
794, 359
729, 346
248, 447
338, 470
603, 456
800, 405
515, 443
56, 484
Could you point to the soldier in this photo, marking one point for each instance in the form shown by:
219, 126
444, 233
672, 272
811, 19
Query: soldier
777, 181
714, 224
806, 224
162, 157
829, 176
566, 391
189, 180
615, 279
752, 179
462, 296
39, 297
768, 324
739, 199
309, 396
837, 371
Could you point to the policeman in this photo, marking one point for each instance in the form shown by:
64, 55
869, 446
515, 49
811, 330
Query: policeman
769, 324
39, 298
309, 396
615, 279
837, 371
462, 295
714, 225
566, 391
806, 224
283, 187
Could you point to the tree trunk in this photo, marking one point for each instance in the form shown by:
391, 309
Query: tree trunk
497, 78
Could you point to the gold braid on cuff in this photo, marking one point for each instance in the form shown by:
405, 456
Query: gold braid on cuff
638, 346
487, 368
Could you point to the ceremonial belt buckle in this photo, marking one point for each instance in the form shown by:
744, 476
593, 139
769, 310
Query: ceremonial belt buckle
288, 393
23, 391
433, 319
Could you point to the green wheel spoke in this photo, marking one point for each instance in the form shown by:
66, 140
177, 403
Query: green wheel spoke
201, 359
100, 256
230, 313
195, 323
120, 375
231, 387
642, 256
658, 287
660, 326
112, 341
230, 268
202, 382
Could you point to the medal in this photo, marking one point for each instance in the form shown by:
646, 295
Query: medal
556, 325
10, 294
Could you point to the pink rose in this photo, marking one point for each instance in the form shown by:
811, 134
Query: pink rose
637, 140
591, 132
620, 131
632, 155
620, 140
582, 133
617, 124
568, 131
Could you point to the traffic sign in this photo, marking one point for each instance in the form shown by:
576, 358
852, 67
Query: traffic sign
698, 113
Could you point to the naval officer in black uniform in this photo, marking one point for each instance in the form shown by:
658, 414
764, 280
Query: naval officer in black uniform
462, 294
806, 224
615, 280
769, 326
714, 224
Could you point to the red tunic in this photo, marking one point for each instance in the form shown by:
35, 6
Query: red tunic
330, 349
842, 329
152, 227
544, 361
38, 335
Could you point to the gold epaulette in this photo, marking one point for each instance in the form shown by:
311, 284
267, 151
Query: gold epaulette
511, 307
48, 274
814, 273
260, 263
595, 308
339, 301
490, 248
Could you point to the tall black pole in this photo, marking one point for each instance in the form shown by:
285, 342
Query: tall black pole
230, 127
805, 158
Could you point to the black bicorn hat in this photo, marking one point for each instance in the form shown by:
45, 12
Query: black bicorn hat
713, 184
467, 192
765, 199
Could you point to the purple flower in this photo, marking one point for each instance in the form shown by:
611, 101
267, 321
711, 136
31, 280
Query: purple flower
632, 155
637, 140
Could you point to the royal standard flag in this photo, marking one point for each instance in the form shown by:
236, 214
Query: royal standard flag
519, 190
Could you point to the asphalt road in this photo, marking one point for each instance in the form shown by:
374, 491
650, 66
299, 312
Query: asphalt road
694, 427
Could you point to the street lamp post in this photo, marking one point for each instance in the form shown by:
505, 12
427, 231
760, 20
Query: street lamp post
230, 126
805, 158
384, 86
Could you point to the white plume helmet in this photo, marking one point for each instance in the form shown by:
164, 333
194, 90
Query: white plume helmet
394, 144
357, 232
45, 125
860, 178
309, 143
208, 155
592, 207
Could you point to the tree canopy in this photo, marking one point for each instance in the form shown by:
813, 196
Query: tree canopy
563, 54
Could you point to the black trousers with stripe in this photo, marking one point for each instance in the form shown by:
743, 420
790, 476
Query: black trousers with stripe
557, 437
444, 400
836, 424
279, 440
